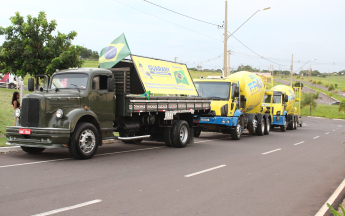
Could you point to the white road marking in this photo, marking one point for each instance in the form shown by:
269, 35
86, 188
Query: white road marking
130, 151
316, 137
299, 143
271, 151
38, 162
333, 130
336, 193
69, 208
203, 171
327, 133
205, 141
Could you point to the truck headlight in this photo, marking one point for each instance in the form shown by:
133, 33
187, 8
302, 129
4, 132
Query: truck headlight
59, 113
17, 113
278, 113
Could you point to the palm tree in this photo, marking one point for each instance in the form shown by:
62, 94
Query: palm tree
309, 99
342, 106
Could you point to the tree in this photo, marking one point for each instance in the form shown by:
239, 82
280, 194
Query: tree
331, 87
86, 53
309, 99
298, 84
330, 94
94, 55
342, 106
31, 48
336, 85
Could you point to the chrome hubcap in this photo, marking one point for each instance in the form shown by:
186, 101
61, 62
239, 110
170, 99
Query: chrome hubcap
87, 141
263, 126
254, 123
238, 130
268, 126
183, 133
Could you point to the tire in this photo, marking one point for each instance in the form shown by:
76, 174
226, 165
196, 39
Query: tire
252, 128
295, 123
32, 150
84, 141
267, 126
284, 127
11, 86
180, 134
260, 130
291, 124
197, 133
167, 137
236, 132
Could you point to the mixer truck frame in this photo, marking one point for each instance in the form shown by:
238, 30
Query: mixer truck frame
236, 104
79, 109
285, 115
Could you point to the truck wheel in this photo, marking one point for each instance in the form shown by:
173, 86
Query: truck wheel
84, 141
283, 127
260, 130
11, 86
236, 132
267, 127
295, 123
291, 124
180, 134
197, 133
167, 137
32, 150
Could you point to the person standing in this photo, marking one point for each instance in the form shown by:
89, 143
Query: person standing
16, 104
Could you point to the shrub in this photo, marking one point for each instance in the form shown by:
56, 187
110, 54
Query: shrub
331, 87
343, 90
298, 84
326, 85
319, 82
336, 91
314, 82
302, 78
298, 77
310, 80
336, 85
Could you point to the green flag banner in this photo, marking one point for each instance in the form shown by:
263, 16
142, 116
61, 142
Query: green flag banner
146, 94
116, 51
180, 77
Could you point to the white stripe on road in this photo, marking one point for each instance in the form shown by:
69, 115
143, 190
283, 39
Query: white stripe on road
130, 151
69, 208
299, 143
327, 133
271, 151
336, 193
203, 171
205, 141
38, 162
333, 130
316, 137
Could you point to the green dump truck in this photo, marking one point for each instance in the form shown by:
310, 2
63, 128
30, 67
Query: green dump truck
80, 108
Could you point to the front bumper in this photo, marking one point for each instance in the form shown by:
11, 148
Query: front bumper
218, 120
40, 137
278, 120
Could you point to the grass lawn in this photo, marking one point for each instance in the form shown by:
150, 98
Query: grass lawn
323, 110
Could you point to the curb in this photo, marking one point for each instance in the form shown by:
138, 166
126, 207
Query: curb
10, 149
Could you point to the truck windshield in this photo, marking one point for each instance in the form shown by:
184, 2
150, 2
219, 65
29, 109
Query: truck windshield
277, 99
213, 90
267, 99
69, 81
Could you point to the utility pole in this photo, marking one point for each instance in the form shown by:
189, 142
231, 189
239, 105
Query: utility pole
229, 72
309, 75
291, 69
175, 59
225, 37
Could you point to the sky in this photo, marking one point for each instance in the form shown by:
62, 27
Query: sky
306, 29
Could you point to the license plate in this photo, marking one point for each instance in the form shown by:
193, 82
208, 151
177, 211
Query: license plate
25, 131
204, 119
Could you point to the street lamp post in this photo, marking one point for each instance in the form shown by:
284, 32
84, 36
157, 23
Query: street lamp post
226, 37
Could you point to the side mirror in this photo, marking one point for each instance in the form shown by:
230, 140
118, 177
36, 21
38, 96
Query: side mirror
237, 92
31, 84
286, 99
111, 84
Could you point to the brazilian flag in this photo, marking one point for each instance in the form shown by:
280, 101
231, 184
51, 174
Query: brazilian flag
180, 77
116, 51
146, 94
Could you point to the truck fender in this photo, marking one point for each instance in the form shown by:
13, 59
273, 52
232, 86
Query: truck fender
238, 113
76, 114
284, 113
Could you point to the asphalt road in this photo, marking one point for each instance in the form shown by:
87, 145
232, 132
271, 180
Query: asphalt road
245, 177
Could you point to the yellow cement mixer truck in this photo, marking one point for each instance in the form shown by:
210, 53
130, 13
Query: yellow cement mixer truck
236, 104
285, 114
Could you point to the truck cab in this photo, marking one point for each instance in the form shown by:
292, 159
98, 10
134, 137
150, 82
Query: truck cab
81, 108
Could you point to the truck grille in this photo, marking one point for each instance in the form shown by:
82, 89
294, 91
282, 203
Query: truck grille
30, 112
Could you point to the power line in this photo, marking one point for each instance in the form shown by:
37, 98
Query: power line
168, 21
182, 14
